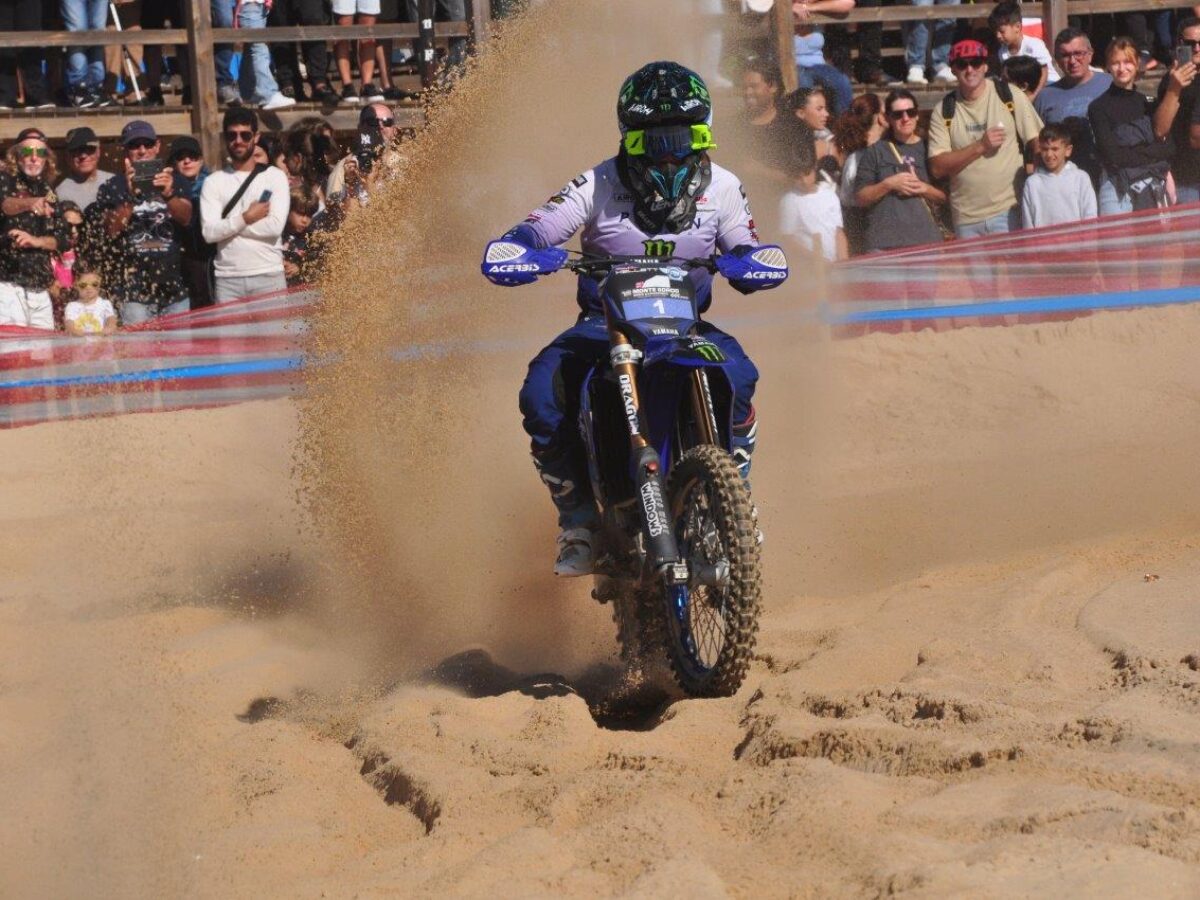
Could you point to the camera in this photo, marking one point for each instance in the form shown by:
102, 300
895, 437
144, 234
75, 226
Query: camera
370, 143
1183, 55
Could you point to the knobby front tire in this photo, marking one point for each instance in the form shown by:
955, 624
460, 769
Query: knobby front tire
709, 649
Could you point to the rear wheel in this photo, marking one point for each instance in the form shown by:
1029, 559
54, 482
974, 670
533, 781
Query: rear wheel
713, 620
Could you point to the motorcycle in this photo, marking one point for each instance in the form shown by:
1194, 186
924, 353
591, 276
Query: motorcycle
677, 550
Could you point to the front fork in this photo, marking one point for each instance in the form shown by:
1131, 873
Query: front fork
662, 552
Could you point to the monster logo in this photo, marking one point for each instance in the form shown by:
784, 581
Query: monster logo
659, 248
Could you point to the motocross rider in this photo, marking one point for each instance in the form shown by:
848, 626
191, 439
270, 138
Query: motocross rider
659, 196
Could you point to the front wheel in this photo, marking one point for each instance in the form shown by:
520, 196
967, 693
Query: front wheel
713, 620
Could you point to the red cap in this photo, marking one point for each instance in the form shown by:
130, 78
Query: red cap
968, 50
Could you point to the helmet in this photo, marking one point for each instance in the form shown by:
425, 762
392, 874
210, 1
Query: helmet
665, 113
663, 93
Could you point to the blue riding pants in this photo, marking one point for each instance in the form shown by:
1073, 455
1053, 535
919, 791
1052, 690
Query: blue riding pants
550, 405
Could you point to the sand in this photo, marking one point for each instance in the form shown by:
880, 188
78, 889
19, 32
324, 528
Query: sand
313, 647
977, 672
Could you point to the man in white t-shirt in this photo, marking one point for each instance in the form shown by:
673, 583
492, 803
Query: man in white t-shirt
1006, 23
243, 210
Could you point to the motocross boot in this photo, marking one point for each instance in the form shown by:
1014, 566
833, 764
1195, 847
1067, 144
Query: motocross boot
745, 435
577, 517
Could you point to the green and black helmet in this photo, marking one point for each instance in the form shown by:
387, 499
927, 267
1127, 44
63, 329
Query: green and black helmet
665, 114
665, 98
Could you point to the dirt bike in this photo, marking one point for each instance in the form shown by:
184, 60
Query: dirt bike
677, 551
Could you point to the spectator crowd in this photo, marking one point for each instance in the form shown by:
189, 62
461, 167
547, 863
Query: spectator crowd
1024, 136
166, 233
270, 76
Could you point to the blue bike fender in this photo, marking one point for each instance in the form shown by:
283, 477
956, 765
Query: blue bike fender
691, 352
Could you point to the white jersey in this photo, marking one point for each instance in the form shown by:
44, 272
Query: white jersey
602, 207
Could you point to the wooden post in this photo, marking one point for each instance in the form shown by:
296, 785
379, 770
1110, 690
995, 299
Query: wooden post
1054, 20
426, 49
479, 16
206, 115
784, 27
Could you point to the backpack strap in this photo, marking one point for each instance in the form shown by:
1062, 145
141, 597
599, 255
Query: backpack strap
949, 102
1003, 89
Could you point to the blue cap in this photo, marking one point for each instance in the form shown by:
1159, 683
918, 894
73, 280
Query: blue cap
137, 130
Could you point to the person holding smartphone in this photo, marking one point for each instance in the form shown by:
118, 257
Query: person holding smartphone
144, 214
243, 210
1177, 113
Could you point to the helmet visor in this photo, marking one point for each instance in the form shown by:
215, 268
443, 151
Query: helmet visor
669, 141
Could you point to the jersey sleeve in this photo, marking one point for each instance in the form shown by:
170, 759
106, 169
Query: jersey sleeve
564, 213
735, 224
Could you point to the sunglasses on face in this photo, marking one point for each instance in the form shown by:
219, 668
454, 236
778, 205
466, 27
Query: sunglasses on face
1195, 45
239, 135
1073, 54
88, 283
39, 152
960, 64
140, 145
185, 156
897, 114
382, 123
86, 150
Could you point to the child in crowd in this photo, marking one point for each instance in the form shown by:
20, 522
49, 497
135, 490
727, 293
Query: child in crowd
91, 313
1005, 23
64, 262
1059, 191
1024, 73
297, 259
810, 213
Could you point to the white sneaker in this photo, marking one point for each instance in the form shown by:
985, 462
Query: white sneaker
278, 101
916, 75
943, 75
574, 553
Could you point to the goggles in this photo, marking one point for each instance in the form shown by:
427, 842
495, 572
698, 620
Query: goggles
670, 140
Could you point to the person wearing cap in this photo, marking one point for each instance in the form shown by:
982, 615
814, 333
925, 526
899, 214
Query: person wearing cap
353, 176
243, 210
980, 149
187, 159
144, 224
84, 175
32, 231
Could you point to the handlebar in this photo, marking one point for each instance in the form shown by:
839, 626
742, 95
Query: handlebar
601, 265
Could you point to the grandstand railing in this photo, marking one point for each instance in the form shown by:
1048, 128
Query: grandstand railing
199, 37
1053, 14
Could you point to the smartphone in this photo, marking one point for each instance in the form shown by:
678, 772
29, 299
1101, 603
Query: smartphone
144, 171
264, 197
1183, 55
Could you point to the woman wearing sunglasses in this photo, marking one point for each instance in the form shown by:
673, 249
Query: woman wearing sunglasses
31, 232
892, 183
